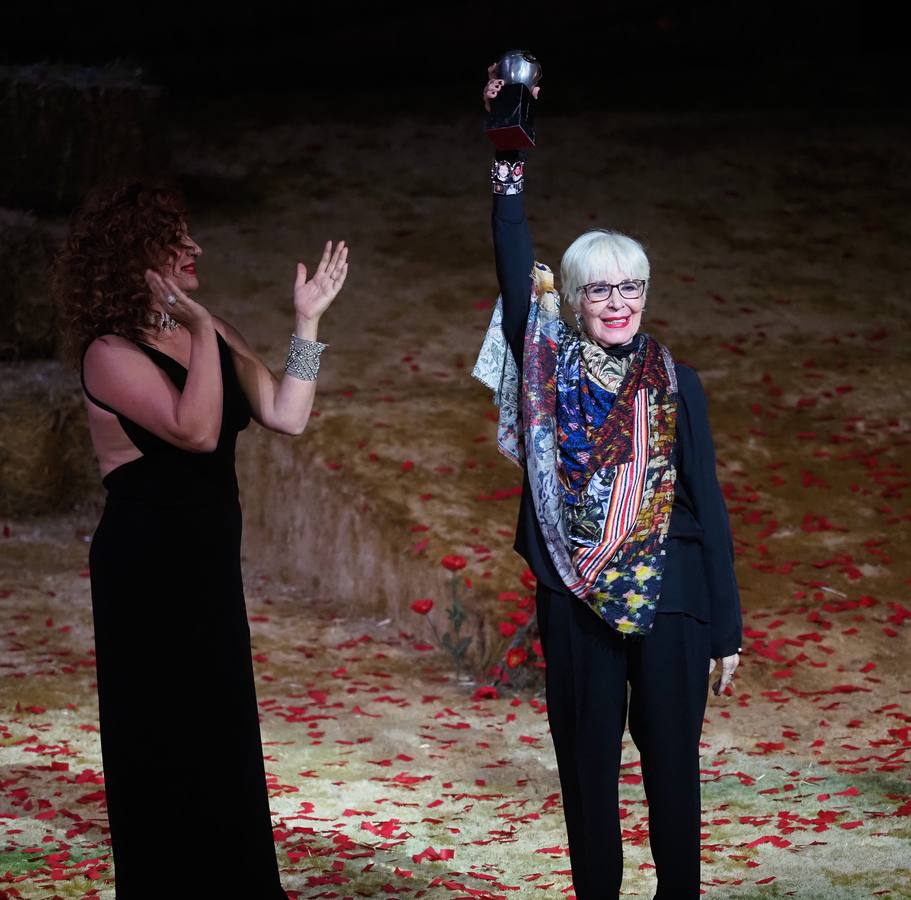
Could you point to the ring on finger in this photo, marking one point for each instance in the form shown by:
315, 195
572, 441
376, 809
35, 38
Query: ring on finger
172, 299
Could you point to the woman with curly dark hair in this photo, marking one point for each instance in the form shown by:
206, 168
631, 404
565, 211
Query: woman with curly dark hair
168, 386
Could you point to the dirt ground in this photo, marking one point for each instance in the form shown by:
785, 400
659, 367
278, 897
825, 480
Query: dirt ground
779, 272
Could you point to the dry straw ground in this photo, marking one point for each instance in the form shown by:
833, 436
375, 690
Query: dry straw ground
777, 247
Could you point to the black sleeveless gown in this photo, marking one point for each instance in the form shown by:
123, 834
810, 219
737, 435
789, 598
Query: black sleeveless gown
180, 738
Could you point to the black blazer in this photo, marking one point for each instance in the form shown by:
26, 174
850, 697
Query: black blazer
699, 567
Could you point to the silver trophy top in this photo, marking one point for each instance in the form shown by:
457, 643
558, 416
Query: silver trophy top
519, 67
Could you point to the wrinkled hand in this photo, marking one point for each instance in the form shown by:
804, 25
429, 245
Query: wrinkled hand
492, 88
728, 665
312, 298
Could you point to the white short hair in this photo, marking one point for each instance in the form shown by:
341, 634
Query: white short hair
600, 254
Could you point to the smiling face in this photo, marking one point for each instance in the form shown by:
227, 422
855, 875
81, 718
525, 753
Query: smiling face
614, 320
182, 266
607, 316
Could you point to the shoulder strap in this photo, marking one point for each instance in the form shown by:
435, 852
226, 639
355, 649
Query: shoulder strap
222, 345
148, 349
94, 400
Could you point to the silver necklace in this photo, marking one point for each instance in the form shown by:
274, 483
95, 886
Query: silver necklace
167, 322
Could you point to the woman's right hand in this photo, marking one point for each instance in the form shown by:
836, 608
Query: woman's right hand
492, 88
192, 315
494, 85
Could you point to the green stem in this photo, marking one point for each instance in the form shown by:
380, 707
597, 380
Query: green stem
517, 639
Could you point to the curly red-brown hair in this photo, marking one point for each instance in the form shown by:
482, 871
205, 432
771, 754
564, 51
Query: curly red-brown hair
99, 274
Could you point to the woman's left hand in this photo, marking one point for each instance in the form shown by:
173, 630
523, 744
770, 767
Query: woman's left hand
728, 665
312, 298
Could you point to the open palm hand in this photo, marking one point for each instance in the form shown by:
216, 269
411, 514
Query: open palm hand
312, 297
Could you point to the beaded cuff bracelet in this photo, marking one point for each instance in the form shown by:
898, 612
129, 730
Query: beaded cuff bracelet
303, 358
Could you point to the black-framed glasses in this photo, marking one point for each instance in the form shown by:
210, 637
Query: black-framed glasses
599, 291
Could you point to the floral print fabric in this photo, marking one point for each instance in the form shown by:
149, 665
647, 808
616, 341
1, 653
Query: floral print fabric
595, 433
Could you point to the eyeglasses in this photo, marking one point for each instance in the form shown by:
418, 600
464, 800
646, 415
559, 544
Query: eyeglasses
599, 291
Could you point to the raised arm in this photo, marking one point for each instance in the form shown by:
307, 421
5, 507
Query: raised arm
513, 250
284, 404
514, 257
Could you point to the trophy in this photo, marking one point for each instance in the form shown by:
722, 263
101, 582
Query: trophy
511, 122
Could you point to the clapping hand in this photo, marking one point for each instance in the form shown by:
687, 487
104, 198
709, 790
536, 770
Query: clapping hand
168, 298
312, 298
728, 665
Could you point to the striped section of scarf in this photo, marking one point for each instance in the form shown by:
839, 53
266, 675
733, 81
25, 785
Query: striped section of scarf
622, 506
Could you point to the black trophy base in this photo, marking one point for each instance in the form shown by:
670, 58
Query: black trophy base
511, 122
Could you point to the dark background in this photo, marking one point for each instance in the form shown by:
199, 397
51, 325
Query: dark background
420, 57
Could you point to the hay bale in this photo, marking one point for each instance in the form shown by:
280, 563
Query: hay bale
66, 127
27, 311
46, 458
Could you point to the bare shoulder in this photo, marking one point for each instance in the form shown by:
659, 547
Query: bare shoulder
114, 363
111, 350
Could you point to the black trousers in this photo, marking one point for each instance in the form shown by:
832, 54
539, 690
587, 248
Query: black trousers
588, 667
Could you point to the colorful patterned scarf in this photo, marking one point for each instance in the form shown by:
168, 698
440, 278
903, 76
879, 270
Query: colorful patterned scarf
595, 433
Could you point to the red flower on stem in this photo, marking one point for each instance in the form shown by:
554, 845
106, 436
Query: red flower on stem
516, 657
507, 629
453, 562
422, 607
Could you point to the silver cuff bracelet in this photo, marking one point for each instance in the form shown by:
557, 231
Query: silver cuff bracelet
303, 358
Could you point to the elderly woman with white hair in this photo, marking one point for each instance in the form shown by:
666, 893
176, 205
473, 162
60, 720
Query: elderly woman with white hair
624, 525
